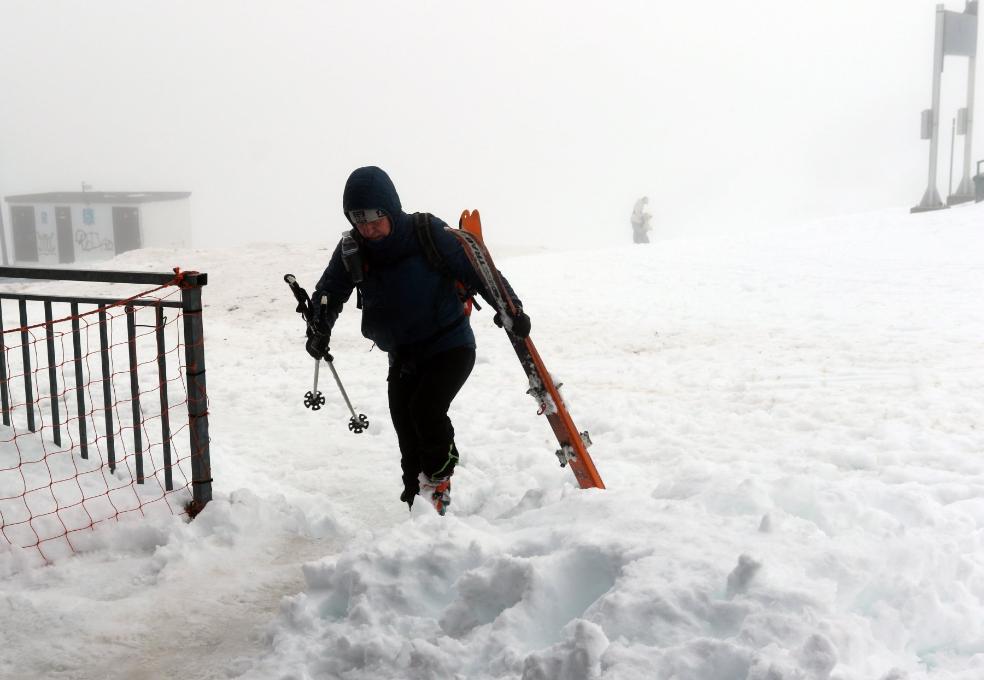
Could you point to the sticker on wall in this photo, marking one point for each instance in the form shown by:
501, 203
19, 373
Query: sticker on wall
88, 216
44, 217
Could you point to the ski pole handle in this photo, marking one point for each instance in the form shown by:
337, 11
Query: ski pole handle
303, 300
313, 400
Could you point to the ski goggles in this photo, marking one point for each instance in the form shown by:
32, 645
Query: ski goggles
367, 215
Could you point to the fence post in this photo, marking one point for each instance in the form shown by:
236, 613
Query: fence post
52, 372
4, 396
131, 340
107, 378
165, 404
28, 373
79, 390
201, 467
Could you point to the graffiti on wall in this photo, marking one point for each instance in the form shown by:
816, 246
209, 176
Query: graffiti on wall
46, 244
92, 240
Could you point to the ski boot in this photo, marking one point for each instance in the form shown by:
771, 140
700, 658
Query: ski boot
437, 491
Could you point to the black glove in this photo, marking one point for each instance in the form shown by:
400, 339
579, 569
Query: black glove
520, 323
317, 345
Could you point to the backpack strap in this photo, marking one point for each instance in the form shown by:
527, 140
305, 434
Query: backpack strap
425, 236
354, 262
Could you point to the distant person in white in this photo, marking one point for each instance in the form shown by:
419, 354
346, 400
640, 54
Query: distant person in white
640, 221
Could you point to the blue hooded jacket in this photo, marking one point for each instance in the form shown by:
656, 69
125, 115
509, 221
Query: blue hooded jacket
409, 309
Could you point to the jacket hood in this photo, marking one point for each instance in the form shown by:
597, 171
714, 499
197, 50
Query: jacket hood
371, 187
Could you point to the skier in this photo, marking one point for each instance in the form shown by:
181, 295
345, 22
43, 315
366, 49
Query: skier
412, 311
640, 221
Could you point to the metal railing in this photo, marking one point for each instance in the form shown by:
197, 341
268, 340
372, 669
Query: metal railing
190, 284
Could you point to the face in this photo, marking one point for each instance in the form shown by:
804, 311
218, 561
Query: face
373, 231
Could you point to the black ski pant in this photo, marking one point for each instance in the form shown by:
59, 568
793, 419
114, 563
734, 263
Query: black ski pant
420, 394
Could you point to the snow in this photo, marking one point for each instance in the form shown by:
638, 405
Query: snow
789, 424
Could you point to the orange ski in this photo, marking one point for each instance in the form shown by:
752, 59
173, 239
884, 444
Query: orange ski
573, 444
472, 223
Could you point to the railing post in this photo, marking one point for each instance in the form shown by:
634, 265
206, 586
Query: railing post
201, 467
165, 404
131, 341
52, 372
79, 387
28, 372
4, 396
107, 378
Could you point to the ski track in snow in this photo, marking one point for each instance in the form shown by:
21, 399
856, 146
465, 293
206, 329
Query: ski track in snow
789, 426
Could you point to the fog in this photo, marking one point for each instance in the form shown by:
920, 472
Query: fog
551, 117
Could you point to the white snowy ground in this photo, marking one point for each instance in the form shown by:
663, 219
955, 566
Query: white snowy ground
790, 426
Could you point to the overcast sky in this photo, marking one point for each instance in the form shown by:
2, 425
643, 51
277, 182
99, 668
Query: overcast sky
552, 117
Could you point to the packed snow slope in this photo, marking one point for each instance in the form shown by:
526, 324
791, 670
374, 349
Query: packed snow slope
790, 426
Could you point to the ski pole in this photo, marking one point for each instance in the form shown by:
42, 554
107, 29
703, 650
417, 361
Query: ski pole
357, 423
314, 399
